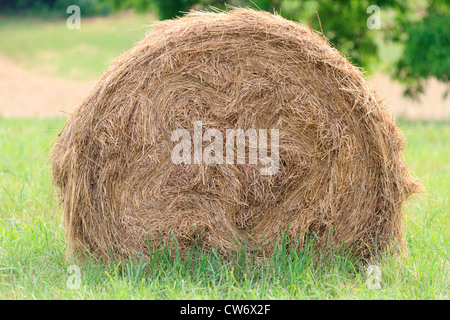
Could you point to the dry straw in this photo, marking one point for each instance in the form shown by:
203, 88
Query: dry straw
341, 176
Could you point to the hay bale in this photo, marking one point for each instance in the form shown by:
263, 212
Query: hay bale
340, 173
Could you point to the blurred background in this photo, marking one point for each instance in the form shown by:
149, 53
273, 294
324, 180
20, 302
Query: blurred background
50, 59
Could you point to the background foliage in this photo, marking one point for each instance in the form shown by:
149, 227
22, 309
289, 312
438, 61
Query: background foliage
421, 27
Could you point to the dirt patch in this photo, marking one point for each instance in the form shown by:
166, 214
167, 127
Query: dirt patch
25, 93
29, 94
430, 107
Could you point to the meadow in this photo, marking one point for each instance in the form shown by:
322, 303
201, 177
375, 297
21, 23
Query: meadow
49, 47
33, 264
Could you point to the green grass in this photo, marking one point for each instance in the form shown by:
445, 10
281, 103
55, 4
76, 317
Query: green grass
50, 47
33, 265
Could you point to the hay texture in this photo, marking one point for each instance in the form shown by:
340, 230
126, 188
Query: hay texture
341, 173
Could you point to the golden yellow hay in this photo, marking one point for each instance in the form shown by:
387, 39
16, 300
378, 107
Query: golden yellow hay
341, 172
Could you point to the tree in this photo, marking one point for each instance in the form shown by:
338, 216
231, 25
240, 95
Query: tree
168, 9
427, 49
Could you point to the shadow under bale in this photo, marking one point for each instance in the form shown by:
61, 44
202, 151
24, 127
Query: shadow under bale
340, 174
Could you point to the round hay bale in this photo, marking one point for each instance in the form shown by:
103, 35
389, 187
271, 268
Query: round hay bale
340, 174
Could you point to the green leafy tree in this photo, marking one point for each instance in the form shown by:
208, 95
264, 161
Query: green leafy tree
427, 49
343, 22
44, 8
168, 9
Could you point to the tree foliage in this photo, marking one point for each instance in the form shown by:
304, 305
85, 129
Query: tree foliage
57, 8
426, 49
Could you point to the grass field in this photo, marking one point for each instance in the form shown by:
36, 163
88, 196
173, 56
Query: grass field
33, 265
